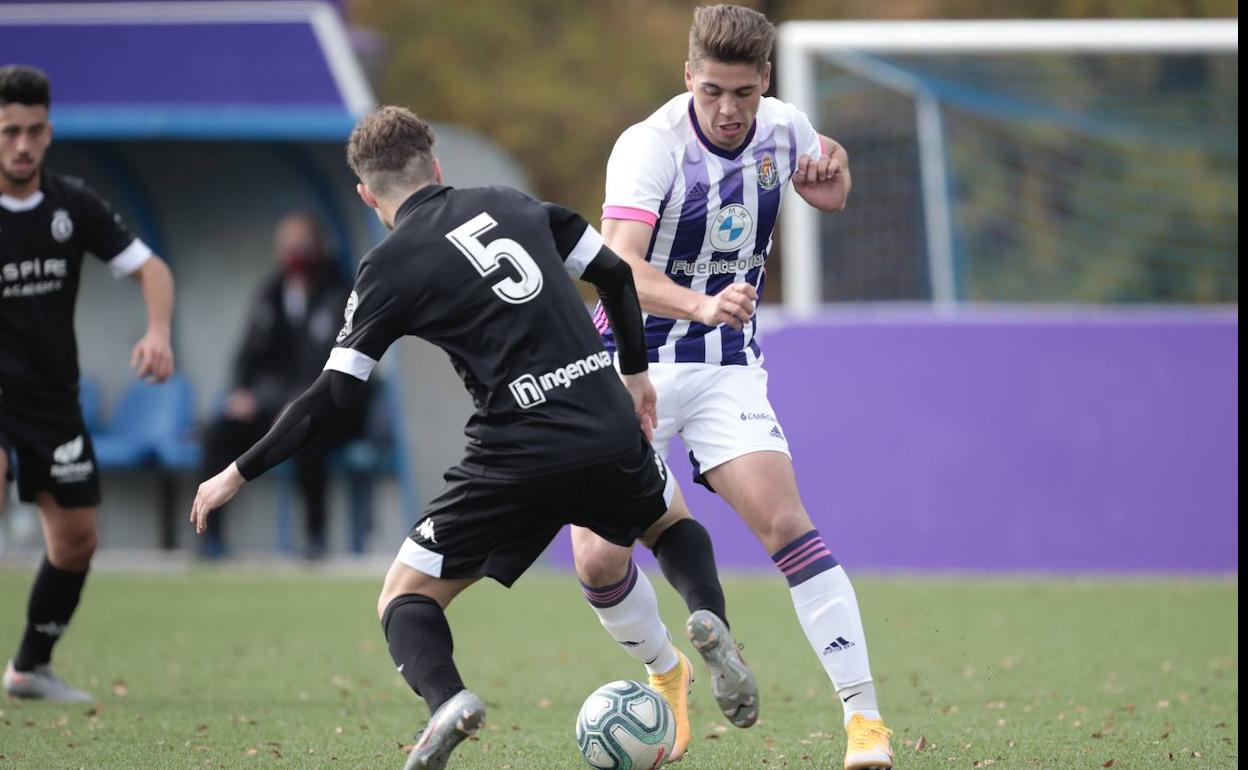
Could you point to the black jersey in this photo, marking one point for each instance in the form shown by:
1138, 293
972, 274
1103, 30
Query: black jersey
482, 274
42, 242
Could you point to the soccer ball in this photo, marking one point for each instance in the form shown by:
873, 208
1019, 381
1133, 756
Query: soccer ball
625, 726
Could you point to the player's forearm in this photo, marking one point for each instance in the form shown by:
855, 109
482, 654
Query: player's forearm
328, 400
614, 280
660, 295
156, 284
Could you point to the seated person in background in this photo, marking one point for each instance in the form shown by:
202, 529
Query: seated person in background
294, 319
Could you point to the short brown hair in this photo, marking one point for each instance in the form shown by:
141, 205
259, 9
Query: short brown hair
730, 34
390, 149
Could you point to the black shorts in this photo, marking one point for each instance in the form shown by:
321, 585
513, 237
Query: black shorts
53, 454
482, 526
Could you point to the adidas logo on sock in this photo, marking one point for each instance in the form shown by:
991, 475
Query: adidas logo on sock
837, 646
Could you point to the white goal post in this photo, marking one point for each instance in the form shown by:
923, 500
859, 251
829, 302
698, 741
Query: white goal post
851, 45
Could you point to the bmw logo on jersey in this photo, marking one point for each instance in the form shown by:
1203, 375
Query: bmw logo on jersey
732, 229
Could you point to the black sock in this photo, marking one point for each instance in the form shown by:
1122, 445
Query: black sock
53, 599
687, 559
421, 646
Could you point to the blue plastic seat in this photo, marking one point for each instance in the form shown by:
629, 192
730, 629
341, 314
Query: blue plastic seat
150, 424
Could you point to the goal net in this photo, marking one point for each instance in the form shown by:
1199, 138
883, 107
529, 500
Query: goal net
1050, 162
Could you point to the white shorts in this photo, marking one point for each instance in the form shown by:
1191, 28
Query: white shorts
721, 412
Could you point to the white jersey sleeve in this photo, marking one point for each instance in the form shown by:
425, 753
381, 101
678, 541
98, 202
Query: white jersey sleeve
807, 137
640, 173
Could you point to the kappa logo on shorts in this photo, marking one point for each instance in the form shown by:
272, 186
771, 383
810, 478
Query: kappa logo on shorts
67, 466
425, 530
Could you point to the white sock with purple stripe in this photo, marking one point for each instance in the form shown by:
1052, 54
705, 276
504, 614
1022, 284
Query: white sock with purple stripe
629, 610
828, 611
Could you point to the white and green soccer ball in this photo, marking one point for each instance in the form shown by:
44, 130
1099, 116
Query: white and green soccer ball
625, 726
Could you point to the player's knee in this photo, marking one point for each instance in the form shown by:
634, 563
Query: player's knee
601, 563
674, 514
783, 526
72, 550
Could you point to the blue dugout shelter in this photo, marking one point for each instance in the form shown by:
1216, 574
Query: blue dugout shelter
203, 122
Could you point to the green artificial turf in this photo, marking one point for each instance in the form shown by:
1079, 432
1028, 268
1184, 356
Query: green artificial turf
238, 668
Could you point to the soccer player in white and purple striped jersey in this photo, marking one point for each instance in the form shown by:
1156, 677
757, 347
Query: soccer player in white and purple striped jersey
693, 194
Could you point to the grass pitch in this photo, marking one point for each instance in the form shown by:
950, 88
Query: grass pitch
232, 668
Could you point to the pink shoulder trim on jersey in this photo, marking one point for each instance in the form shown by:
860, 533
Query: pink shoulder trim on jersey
628, 212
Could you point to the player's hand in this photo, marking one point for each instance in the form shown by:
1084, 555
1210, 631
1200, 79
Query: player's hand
733, 306
822, 182
645, 401
214, 493
152, 357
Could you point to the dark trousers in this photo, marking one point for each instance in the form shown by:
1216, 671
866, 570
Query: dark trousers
227, 438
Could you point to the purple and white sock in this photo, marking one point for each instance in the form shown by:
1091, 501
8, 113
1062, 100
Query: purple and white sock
629, 610
828, 612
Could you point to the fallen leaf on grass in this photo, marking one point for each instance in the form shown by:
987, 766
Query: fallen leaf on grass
120, 689
1110, 763
920, 744
406, 748
544, 703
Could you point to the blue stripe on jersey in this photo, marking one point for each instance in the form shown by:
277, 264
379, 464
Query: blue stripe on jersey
687, 243
692, 347
732, 191
739, 359
768, 200
793, 149
768, 208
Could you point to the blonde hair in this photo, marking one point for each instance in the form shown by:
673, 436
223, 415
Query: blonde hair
730, 34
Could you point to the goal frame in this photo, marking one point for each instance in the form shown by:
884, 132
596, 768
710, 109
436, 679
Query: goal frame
851, 44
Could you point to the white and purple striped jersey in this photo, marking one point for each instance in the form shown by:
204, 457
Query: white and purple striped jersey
713, 212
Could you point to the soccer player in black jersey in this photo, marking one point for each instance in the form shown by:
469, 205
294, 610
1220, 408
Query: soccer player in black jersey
47, 223
555, 437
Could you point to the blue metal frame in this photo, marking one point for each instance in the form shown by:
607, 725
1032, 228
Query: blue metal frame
203, 123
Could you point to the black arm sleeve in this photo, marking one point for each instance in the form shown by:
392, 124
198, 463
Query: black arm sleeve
322, 405
614, 279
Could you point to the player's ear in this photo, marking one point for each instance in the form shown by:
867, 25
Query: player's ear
688, 77
437, 170
366, 195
